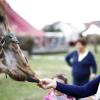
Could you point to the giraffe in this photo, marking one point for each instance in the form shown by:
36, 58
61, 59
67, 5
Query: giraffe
12, 60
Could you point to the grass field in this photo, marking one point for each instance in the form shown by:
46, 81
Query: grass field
44, 66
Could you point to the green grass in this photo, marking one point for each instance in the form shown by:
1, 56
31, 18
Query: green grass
44, 67
12, 90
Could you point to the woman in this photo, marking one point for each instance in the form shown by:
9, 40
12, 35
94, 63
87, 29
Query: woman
81, 60
86, 90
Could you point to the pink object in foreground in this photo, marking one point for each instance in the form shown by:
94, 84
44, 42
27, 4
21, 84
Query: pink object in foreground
51, 96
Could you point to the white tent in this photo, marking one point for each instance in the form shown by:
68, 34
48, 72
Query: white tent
92, 30
71, 30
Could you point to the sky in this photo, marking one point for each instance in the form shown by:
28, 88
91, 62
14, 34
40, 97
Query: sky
43, 12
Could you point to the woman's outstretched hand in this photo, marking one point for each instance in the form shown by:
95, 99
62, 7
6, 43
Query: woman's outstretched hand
47, 83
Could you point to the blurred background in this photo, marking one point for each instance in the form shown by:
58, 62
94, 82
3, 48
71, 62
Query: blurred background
47, 30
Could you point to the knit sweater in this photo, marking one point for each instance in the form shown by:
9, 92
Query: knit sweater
81, 69
80, 91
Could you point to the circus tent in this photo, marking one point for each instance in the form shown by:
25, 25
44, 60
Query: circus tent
18, 24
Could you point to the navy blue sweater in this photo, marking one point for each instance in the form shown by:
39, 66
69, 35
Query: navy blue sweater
80, 91
81, 69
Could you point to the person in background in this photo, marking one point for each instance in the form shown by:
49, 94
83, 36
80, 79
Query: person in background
82, 61
56, 95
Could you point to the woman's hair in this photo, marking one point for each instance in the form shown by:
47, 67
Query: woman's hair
82, 41
61, 77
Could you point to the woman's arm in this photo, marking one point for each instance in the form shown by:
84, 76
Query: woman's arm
68, 58
93, 63
79, 91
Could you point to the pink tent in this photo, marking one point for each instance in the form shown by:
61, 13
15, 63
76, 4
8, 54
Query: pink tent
19, 25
